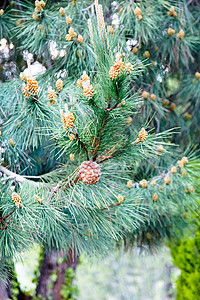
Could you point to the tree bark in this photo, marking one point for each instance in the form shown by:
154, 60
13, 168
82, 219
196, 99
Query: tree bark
5, 290
46, 287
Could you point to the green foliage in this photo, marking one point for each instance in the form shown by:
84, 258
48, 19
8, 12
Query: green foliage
69, 290
186, 255
15, 287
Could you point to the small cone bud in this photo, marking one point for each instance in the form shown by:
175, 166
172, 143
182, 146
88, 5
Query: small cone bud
80, 39
153, 97
197, 75
170, 31
181, 34
155, 197
123, 102
172, 106
135, 50
143, 183
71, 157
68, 20
145, 95
184, 160
137, 11
62, 11
167, 179
146, 54
129, 184
72, 137
38, 199
52, 94
173, 170
120, 199
17, 199
180, 163
11, 143
59, 84
160, 148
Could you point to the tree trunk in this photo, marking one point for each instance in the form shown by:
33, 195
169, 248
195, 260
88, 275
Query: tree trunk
5, 290
48, 288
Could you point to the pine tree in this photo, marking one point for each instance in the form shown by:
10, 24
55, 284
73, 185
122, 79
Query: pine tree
87, 147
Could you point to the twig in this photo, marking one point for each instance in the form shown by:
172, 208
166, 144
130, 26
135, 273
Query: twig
17, 177
87, 8
3, 113
114, 106
17, 95
81, 144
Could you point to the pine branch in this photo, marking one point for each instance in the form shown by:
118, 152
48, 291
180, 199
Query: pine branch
17, 177
99, 135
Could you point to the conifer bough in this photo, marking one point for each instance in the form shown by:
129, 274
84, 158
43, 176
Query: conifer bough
86, 161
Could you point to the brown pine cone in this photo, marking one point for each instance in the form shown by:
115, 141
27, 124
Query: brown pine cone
89, 172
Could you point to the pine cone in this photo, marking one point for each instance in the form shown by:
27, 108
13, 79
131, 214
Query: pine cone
89, 172
79, 83
118, 65
129, 67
